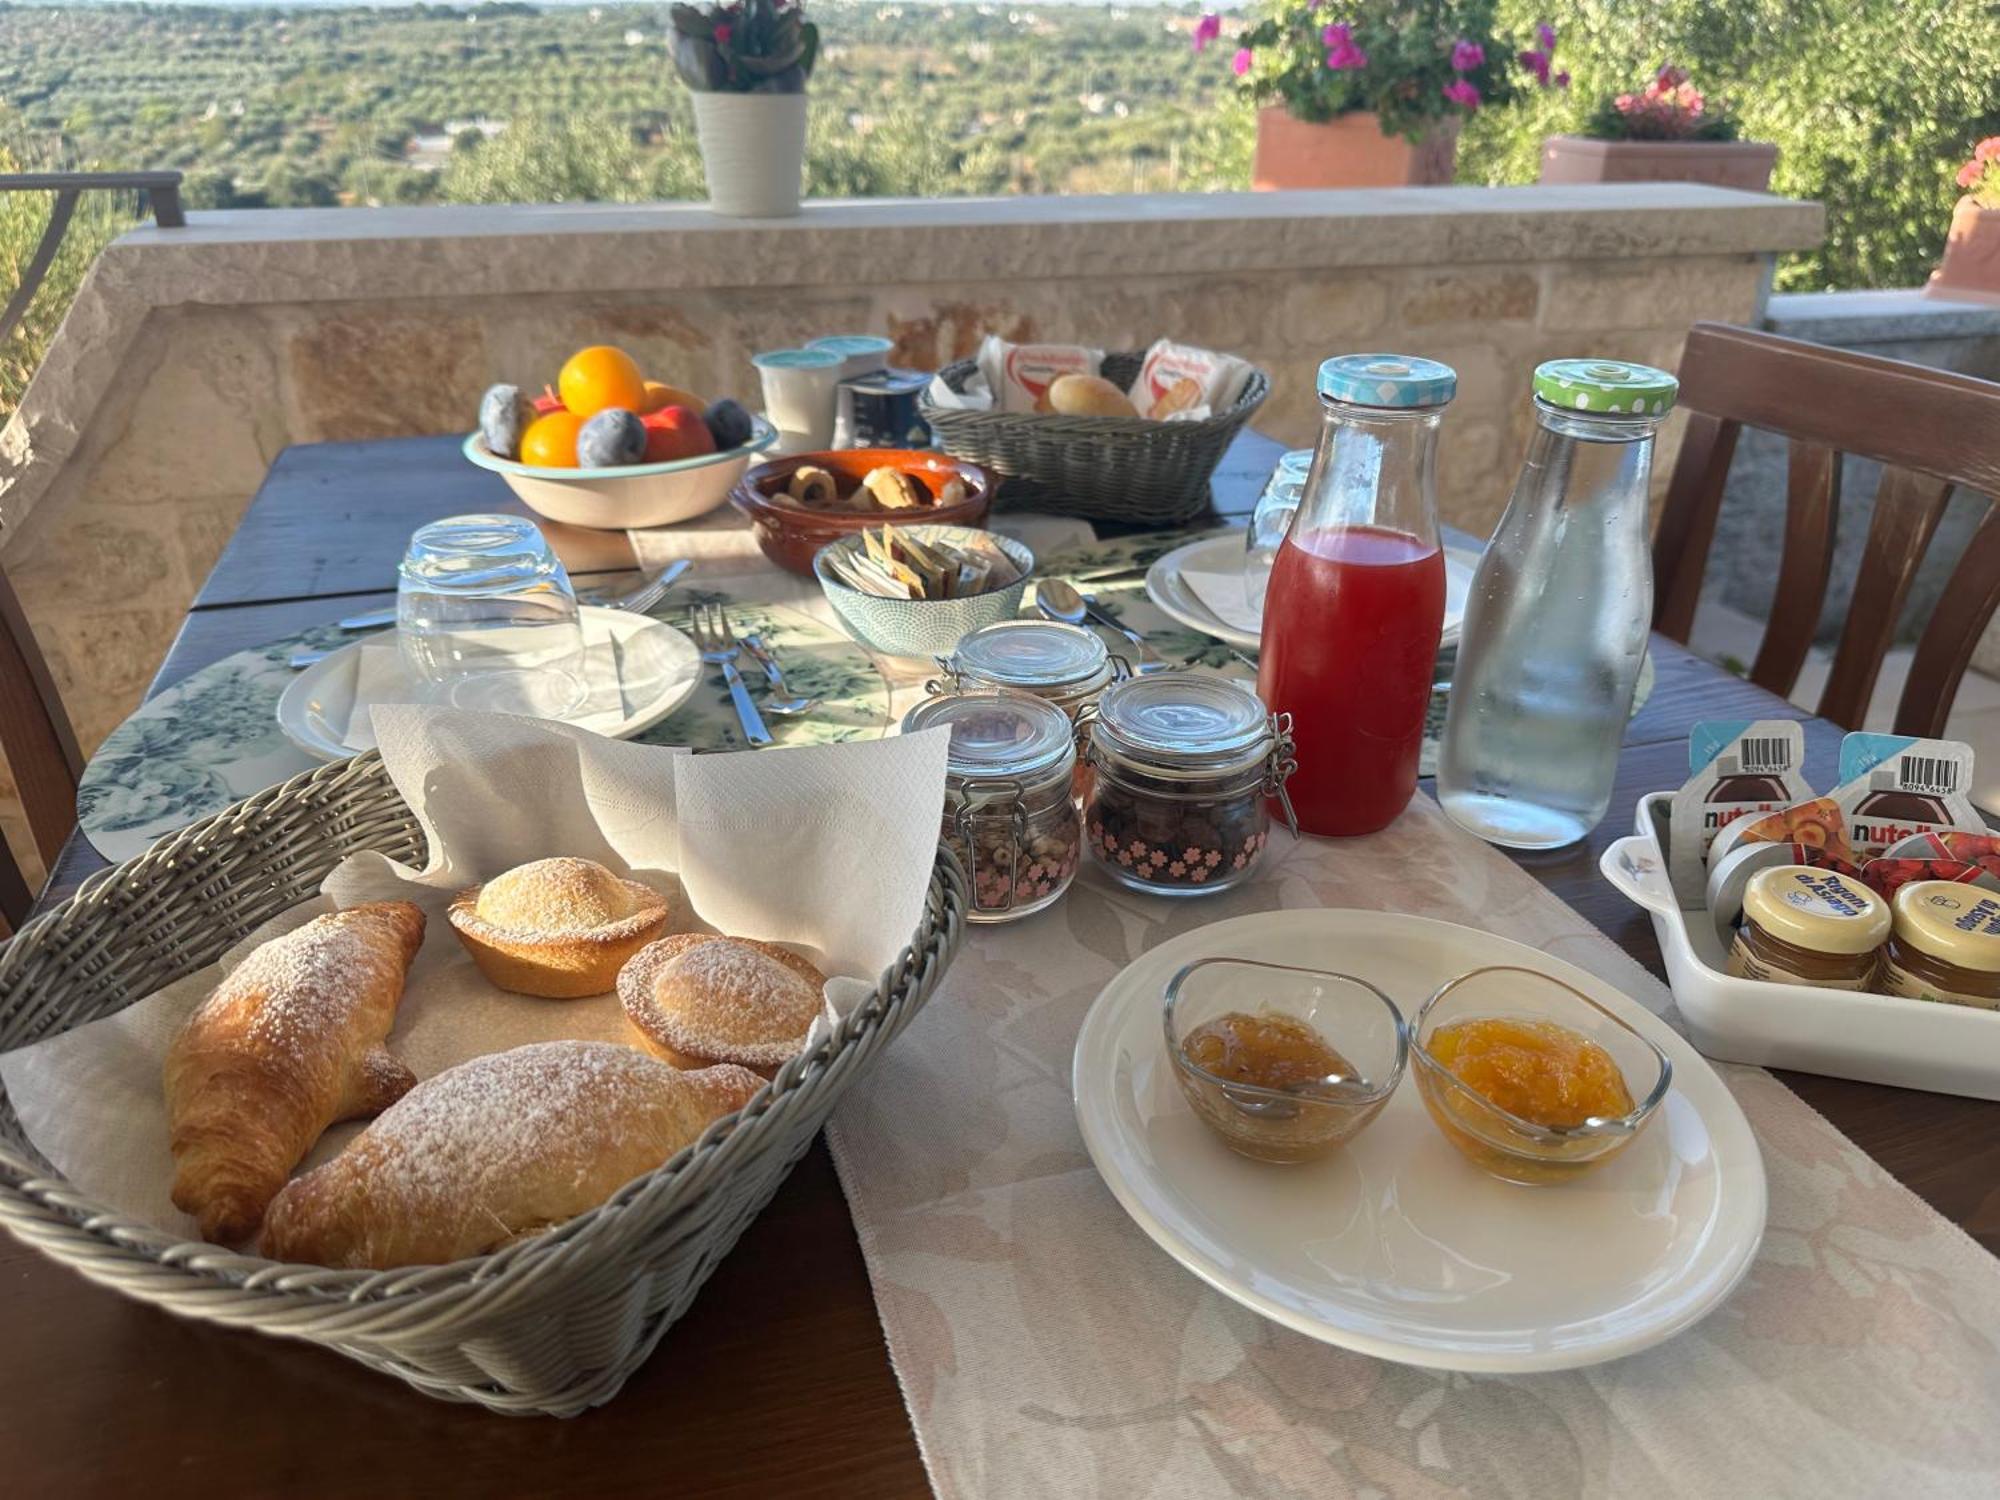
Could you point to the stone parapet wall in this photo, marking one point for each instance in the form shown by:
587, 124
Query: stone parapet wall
193, 356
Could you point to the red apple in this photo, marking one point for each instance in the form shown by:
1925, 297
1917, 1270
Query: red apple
676, 432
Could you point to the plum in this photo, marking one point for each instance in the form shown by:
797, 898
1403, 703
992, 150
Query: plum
614, 436
728, 423
504, 414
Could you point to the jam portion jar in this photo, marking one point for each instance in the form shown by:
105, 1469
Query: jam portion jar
1008, 815
1945, 945
1184, 766
1803, 925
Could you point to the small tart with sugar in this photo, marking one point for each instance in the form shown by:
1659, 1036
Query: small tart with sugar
696, 999
558, 929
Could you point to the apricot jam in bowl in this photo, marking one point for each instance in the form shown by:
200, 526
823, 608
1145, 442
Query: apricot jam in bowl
1283, 1063
1531, 1079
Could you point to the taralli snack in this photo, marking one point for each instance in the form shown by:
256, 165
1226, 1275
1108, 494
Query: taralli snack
1089, 396
1180, 381
1019, 375
892, 489
813, 486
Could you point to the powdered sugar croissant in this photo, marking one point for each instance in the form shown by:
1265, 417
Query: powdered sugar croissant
288, 1044
499, 1147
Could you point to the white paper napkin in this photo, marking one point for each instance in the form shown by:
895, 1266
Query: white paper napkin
827, 848
1222, 589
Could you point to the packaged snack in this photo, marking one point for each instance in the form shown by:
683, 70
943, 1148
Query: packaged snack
1180, 382
1982, 849
1739, 767
1815, 824
1893, 786
1889, 874
1019, 375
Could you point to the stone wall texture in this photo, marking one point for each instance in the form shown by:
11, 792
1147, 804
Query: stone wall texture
194, 356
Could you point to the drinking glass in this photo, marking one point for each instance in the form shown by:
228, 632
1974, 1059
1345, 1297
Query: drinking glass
487, 619
1271, 520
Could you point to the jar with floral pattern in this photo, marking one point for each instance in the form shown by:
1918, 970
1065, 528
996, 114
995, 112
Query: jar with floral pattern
1008, 813
1185, 764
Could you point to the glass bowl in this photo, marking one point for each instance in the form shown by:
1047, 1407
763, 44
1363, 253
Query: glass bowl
1500, 1142
1306, 1121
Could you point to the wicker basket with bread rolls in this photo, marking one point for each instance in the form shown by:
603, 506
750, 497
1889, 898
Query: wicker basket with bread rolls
1083, 446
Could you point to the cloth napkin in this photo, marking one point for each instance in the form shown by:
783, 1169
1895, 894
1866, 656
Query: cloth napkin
828, 848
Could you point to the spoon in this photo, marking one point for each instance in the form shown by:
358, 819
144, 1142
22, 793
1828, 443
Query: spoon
1057, 599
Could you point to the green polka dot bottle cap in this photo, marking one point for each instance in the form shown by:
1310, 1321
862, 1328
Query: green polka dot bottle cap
1609, 386
1390, 380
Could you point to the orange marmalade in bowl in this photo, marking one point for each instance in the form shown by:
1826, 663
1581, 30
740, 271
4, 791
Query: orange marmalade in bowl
1538, 1071
1269, 1050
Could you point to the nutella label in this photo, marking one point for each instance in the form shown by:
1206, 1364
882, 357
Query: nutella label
1737, 768
1893, 787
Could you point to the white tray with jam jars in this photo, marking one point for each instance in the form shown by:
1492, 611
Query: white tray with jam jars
1816, 1020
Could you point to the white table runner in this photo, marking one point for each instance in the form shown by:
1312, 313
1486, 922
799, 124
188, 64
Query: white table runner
1047, 1347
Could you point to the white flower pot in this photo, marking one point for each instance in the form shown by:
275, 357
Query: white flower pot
753, 149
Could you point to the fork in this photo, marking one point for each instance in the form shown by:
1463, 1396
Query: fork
717, 645
782, 699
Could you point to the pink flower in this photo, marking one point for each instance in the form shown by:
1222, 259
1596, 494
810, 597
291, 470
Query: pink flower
1137, 847
1988, 149
1463, 94
1562, 79
722, 34
1206, 30
1545, 34
1177, 868
1238, 862
1124, 858
1213, 858
1190, 854
1240, 63
1465, 56
1970, 173
1198, 874
1538, 64
1341, 50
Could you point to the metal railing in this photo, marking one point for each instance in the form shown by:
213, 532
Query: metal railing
163, 194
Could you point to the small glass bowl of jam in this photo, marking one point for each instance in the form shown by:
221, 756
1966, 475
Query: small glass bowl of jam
1531, 1079
1283, 1063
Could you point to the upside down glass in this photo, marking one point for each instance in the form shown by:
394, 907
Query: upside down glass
1271, 520
487, 619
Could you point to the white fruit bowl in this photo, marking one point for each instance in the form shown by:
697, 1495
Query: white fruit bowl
630, 495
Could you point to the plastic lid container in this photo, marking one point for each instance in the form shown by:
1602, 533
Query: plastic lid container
1954, 923
1816, 910
998, 734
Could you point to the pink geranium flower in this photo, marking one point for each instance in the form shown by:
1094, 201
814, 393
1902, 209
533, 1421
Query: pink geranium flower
1463, 94
1342, 52
1240, 63
1465, 56
1988, 149
1206, 30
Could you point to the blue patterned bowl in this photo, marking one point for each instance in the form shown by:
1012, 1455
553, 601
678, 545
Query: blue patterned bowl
923, 627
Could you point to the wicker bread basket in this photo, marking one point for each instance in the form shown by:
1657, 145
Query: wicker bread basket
553, 1324
1105, 468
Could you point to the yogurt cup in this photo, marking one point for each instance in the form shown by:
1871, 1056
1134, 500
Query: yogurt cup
799, 389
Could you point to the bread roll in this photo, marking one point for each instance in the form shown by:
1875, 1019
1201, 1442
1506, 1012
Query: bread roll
1089, 396
496, 1148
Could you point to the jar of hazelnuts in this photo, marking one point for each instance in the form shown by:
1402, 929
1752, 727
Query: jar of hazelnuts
1008, 813
1185, 766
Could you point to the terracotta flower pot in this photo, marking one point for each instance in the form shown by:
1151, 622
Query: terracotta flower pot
1349, 151
1731, 164
1970, 270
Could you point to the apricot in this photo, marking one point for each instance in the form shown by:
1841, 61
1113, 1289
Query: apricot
600, 377
550, 441
660, 395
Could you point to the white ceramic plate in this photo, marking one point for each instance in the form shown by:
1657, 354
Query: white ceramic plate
1170, 591
658, 669
1395, 1245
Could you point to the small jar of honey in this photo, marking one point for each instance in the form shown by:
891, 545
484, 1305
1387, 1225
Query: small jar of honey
1945, 945
1809, 926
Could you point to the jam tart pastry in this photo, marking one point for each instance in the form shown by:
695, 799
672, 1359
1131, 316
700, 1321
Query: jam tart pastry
559, 929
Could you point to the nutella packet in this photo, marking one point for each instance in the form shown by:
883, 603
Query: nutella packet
1019, 375
1893, 786
1739, 767
1180, 383
1887, 875
1816, 824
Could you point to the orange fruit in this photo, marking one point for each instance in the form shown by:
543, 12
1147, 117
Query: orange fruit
598, 377
660, 395
550, 441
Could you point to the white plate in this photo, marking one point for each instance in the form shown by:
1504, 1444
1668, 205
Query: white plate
1169, 590
1395, 1245
658, 669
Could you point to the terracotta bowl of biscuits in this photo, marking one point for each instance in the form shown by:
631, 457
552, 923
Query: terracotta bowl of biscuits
799, 503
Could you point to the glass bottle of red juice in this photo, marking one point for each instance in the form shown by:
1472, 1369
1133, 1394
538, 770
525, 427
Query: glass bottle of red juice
1356, 599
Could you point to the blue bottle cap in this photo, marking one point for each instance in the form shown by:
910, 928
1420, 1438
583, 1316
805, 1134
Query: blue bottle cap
1391, 380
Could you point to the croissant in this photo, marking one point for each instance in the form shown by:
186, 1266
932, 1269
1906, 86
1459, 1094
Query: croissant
289, 1043
499, 1147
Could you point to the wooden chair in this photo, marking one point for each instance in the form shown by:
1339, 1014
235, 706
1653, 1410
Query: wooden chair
40, 751
1930, 430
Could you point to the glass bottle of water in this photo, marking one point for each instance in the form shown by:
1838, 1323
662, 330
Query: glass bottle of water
1556, 623
1270, 521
